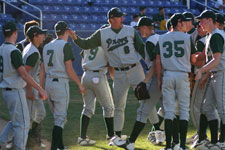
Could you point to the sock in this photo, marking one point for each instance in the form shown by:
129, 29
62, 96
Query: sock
118, 133
176, 130
55, 137
83, 126
168, 131
183, 124
203, 127
213, 125
138, 127
61, 145
109, 126
222, 132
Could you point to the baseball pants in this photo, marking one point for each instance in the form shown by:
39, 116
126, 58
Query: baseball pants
122, 82
97, 87
176, 85
215, 97
58, 99
18, 127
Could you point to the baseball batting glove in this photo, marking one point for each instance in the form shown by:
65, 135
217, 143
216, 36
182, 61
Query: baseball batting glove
141, 91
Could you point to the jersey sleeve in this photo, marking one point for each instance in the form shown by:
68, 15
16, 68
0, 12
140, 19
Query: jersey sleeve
139, 45
150, 48
200, 46
16, 58
89, 43
32, 60
216, 43
157, 50
19, 46
68, 52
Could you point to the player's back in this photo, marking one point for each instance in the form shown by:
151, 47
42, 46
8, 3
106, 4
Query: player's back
175, 51
53, 58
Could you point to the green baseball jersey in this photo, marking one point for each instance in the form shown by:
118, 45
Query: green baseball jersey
215, 42
175, 49
55, 54
149, 49
10, 61
94, 59
32, 57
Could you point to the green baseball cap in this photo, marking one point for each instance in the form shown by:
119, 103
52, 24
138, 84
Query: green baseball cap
35, 30
207, 14
9, 27
177, 17
61, 26
189, 16
115, 12
145, 21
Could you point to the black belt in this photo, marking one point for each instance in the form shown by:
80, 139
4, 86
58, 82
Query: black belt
8, 89
55, 79
125, 68
95, 70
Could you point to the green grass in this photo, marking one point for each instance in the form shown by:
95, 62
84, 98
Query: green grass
96, 128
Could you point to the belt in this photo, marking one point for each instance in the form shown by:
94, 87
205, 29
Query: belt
55, 79
8, 89
95, 70
125, 68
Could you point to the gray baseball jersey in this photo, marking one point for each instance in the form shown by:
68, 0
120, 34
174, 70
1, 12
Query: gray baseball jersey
95, 81
36, 107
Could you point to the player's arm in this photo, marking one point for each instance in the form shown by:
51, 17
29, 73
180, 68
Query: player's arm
17, 62
204, 79
158, 66
68, 58
216, 44
150, 48
139, 45
42, 75
29, 64
87, 43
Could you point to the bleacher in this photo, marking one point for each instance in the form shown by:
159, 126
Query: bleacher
91, 14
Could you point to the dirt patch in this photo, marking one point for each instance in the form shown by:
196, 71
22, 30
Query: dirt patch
2, 125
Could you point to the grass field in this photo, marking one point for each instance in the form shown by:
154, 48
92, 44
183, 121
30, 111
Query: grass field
96, 128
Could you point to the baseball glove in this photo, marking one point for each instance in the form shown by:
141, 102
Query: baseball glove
141, 91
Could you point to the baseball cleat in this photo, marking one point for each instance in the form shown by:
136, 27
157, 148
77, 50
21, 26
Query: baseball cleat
86, 142
9, 145
160, 137
175, 146
43, 145
199, 145
126, 144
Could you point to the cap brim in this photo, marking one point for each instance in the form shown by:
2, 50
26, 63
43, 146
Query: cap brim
198, 17
188, 19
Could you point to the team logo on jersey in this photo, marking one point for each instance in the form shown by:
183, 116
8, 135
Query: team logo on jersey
113, 44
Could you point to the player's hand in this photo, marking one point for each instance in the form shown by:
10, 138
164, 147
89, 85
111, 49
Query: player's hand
198, 74
73, 35
203, 81
30, 94
82, 90
42, 94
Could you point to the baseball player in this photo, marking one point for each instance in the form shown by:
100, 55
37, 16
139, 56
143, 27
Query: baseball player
123, 48
22, 44
214, 95
55, 73
174, 51
32, 61
146, 28
13, 77
97, 87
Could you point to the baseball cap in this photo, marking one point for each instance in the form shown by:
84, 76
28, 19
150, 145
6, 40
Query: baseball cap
145, 21
177, 17
189, 16
115, 12
9, 27
61, 26
35, 30
168, 24
207, 14
220, 18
